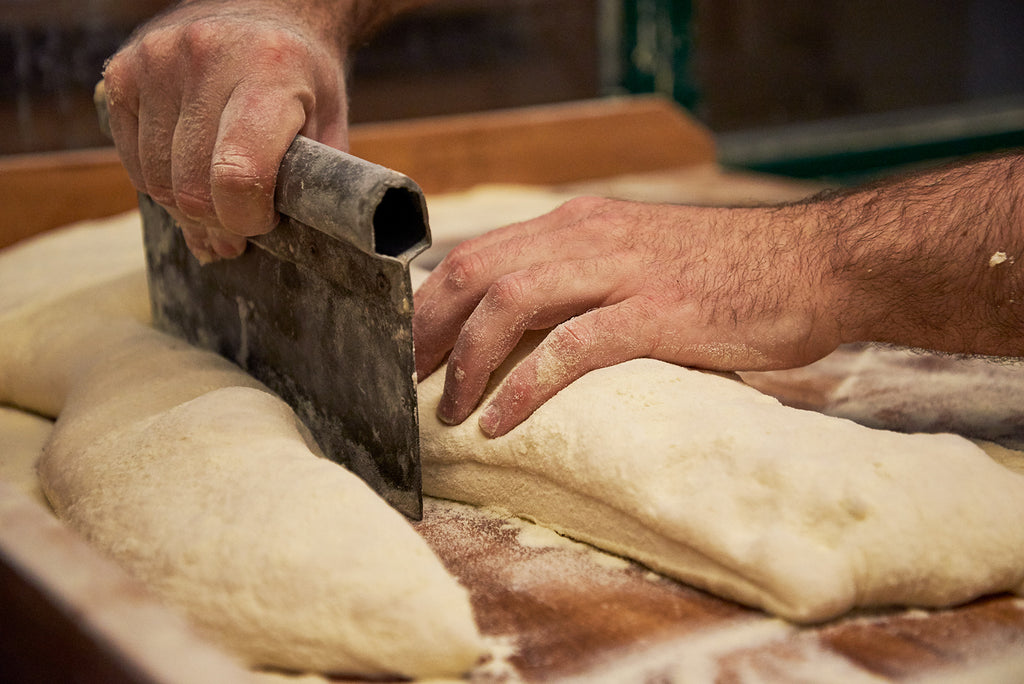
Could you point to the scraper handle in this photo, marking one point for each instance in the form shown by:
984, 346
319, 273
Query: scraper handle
378, 210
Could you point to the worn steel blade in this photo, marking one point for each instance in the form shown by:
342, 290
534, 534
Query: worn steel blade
320, 309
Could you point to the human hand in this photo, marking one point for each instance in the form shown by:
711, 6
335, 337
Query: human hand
205, 100
720, 289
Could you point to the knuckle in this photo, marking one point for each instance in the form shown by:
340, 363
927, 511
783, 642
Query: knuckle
573, 337
511, 292
518, 389
583, 204
584, 217
278, 47
645, 308
210, 38
584, 211
203, 44
465, 268
159, 46
645, 318
115, 73
563, 356
236, 171
199, 36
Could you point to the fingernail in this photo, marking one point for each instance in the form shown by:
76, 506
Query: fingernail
446, 411
490, 420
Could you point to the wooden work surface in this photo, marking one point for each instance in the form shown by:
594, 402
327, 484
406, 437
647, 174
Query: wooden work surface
553, 610
561, 611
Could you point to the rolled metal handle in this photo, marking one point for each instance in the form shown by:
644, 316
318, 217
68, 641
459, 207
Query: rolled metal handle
378, 210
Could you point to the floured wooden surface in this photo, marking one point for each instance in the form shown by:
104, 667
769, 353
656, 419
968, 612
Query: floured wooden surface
914, 391
565, 611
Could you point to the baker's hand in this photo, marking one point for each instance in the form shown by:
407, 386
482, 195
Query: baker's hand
205, 100
723, 289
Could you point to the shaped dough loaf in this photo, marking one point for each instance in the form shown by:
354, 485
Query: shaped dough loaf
707, 480
202, 483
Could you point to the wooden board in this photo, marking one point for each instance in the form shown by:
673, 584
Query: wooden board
561, 611
42, 191
543, 145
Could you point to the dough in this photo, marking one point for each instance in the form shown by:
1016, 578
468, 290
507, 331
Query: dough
707, 480
203, 484
94, 267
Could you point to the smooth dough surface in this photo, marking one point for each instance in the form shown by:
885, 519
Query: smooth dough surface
203, 484
707, 480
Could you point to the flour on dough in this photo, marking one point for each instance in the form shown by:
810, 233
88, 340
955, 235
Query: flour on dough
709, 481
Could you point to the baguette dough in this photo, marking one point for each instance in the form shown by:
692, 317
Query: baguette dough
707, 480
203, 485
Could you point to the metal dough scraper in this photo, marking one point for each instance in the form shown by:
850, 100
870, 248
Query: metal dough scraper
319, 309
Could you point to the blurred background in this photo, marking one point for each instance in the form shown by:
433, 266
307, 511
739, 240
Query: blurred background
828, 89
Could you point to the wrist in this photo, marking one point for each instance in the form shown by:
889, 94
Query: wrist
775, 266
814, 288
888, 283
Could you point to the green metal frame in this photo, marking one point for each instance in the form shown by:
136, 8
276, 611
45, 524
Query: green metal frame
657, 48
656, 55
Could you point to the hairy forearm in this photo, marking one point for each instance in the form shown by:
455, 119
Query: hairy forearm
934, 260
